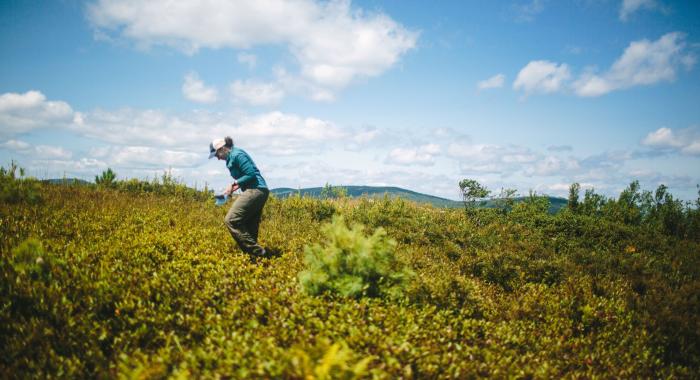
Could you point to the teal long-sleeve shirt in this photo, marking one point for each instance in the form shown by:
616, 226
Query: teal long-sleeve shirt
244, 171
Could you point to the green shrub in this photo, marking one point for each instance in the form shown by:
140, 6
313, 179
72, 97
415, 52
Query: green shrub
332, 192
572, 203
306, 209
472, 192
15, 187
165, 185
107, 179
505, 200
351, 264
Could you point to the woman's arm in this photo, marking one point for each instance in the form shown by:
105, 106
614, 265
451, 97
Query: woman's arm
247, 168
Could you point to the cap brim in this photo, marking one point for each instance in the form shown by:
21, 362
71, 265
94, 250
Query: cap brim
212, 154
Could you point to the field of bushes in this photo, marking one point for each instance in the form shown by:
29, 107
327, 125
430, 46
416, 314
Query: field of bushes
139, 282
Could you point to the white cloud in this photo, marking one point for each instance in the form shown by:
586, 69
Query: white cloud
16, 145
483, 153
552, 166
286, 125
686, 141
146, 157
433, 149
365, 136
513, 166
693, 148
195, 90
284, 134
333, 43
37, 151
344, 44
495, 81
631, 6
248, 58
145, 142
644, 62
515, 161
662, 137
574, 49
298, 85
560, 188
143, 127
560, 148
274, 132
526, 12
422, 155
257, 93
473, 152
542, 77
591, 85
20, 113
48, 151
85, 168
490, 158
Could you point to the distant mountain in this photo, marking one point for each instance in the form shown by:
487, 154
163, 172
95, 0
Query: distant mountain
372, 191
67, 181
396, 192
555, 203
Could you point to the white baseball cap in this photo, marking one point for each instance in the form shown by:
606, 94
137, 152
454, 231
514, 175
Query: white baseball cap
215, 145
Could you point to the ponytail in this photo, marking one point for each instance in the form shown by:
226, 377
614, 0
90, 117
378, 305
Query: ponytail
228, 142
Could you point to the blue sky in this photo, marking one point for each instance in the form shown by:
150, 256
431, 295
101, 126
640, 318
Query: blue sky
532, 95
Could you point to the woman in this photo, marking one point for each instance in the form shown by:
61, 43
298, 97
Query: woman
243, 219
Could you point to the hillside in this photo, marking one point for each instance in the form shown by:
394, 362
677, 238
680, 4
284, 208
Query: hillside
556, 203
137, 284
396, 192
372, 191
68, 181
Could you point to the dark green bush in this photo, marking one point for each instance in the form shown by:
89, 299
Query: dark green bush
635, 207
107, 179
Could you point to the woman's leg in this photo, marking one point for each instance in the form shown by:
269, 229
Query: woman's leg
246, 208
254, 225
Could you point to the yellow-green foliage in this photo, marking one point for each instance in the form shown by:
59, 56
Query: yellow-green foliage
326, 361
98, 283
350, 264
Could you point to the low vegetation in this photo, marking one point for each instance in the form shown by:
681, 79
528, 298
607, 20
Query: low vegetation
119, 281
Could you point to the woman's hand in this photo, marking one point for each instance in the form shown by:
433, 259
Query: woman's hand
231, 188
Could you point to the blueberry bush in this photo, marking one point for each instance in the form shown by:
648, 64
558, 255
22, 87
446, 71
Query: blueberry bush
102, 282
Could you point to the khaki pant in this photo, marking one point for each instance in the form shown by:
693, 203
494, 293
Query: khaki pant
243, 220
